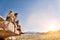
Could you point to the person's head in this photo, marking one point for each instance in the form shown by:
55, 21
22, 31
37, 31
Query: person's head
10, 12
16, 14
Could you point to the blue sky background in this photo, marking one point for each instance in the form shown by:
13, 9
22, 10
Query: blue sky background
34, 15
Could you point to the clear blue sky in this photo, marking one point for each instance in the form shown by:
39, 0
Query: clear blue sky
34, 15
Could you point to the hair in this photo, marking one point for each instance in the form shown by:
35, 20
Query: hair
15, 14
10, 12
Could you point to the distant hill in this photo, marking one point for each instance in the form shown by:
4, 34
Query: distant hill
49, 32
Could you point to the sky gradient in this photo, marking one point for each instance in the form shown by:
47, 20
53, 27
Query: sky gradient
34, 15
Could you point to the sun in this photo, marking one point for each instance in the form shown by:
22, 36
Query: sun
53, 28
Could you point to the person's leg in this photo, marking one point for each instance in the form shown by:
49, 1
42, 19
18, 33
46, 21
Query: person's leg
19, 30
15, 26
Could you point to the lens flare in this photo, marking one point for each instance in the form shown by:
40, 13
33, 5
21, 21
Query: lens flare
53, 27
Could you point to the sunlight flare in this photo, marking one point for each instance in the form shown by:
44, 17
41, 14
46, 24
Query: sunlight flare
53, 27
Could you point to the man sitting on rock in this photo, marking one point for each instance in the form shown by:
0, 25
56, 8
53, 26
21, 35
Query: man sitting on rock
14, 21
9, 16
